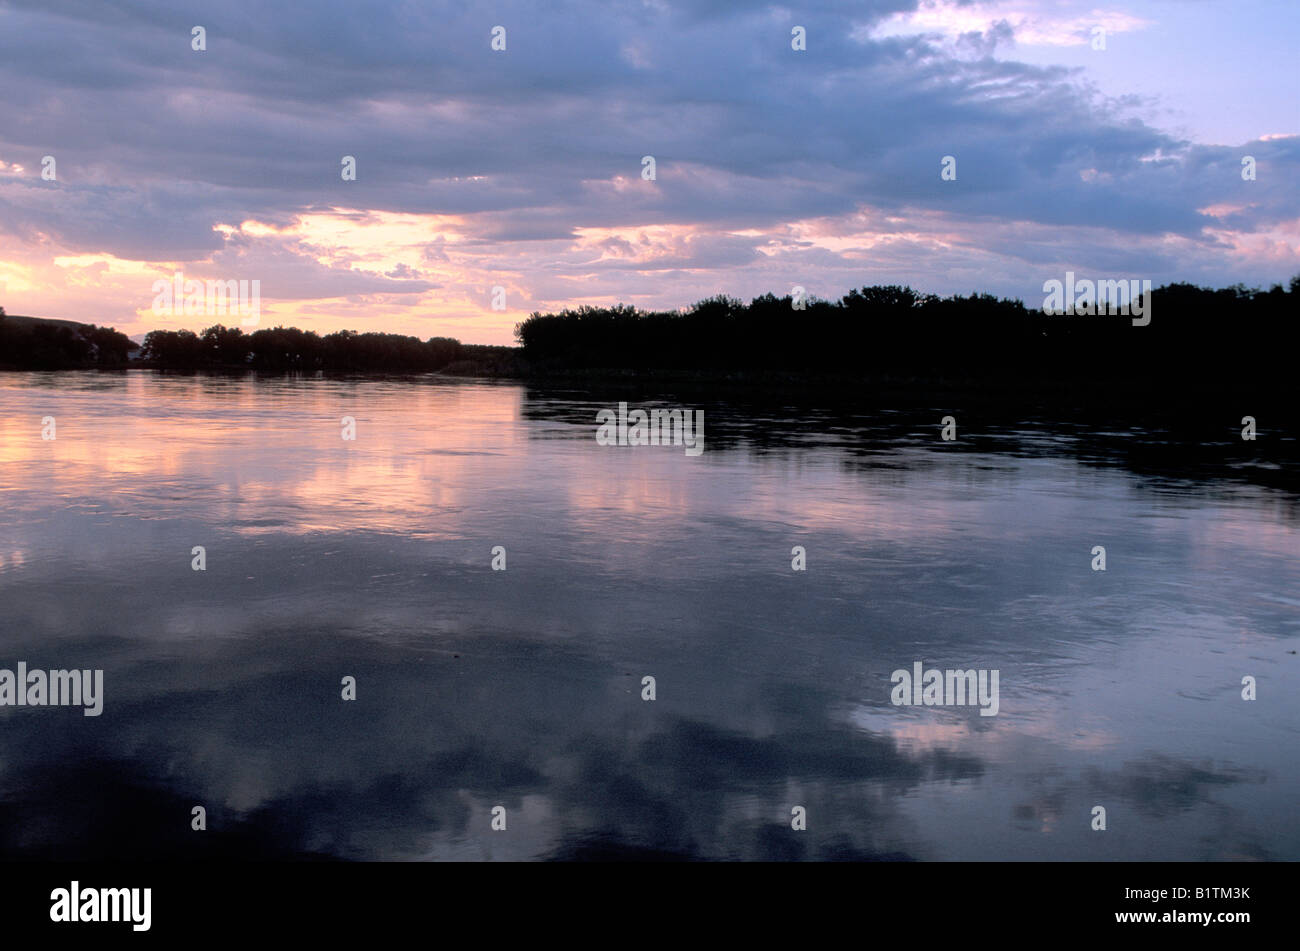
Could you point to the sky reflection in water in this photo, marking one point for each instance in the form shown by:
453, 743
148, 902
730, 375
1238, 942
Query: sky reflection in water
522, 688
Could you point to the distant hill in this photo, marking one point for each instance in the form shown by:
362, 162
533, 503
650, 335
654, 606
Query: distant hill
48, 343
22, 321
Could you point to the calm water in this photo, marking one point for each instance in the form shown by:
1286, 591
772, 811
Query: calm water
522, 688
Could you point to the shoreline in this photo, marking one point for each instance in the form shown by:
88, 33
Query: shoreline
1099, 389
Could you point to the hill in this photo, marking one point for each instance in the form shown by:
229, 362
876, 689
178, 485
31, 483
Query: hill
48, 343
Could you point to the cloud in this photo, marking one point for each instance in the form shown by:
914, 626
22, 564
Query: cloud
500, 166
1021, 21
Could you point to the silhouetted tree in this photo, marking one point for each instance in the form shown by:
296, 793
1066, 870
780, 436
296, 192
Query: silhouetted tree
38, 345
895, 331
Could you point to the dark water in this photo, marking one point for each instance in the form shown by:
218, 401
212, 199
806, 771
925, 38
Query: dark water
522, 688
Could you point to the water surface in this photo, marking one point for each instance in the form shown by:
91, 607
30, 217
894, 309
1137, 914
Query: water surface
521, 688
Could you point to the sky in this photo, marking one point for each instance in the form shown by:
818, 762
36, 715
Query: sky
1115, 155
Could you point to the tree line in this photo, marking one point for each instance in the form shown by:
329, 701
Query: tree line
883, 331
893, 331
38, 345
291, 349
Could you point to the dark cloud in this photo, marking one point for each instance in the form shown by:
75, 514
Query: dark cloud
157, 143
